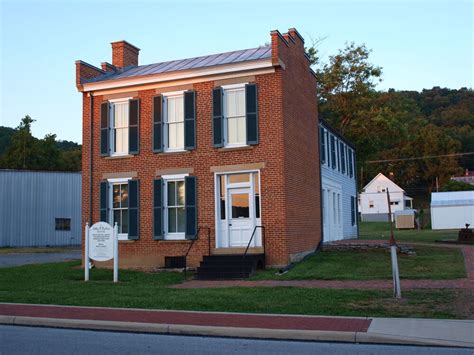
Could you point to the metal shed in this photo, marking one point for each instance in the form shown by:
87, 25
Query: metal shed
452, 210
40, 208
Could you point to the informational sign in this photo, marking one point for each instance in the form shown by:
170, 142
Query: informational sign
101, 242
101, 245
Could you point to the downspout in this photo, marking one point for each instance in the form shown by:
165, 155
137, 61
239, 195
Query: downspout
91, 187
320, 246
356, 202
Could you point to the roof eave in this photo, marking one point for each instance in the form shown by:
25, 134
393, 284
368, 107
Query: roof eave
178, 75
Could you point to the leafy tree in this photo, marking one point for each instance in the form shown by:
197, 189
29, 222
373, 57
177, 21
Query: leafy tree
345, 84
22, 151
26, 152
6, 134
453, 185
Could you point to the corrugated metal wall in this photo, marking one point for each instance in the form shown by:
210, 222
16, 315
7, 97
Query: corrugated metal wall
30, 201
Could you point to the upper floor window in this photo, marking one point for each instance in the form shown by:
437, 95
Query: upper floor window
351, 166
119, 122
173, 121
234, 116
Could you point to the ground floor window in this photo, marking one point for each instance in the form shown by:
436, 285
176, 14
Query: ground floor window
63, 224
119, 208
174, 208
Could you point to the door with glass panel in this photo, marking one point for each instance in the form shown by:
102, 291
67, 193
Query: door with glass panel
241, 218
238, 210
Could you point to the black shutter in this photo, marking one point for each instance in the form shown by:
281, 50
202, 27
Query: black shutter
158, 123
189, 120
333, 152
104, 201
251, 113
104, 129
133, 127
351, 166
133, 209
217, 117
191, 206
158, 209
352, 210
322, 145
342, 148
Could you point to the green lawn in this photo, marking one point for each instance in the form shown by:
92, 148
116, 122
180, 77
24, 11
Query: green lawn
428, 263
9, 250
381, 231
62, 283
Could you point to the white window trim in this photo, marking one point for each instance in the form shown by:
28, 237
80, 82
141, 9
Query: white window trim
226, 135
121, 236
166, 179
166, 148
112, 102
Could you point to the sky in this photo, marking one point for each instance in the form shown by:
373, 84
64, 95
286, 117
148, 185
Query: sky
419, 44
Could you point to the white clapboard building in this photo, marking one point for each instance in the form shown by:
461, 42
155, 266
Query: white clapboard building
373, 204
452, 210
338, 184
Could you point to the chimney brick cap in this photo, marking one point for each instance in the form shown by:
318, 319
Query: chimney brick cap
128, 44
293, 30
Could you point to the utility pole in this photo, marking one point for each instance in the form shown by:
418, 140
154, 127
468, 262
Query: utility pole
397, 292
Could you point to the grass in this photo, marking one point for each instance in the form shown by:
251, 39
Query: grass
381, 231
429, 263
10, 250
62, 283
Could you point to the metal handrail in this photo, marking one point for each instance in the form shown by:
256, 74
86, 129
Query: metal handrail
196, 237
248, 246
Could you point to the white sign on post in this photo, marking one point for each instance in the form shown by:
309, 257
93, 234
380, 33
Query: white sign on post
101, 245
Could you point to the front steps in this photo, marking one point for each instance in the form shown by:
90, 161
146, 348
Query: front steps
229, 266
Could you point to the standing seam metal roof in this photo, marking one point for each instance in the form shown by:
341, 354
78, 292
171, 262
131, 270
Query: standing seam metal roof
243, 55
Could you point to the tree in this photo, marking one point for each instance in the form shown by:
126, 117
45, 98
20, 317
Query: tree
453, 185
22, 151
345, 84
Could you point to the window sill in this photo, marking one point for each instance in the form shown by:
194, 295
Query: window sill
172, 152
126, 241
229, 149
175, 240
119, 156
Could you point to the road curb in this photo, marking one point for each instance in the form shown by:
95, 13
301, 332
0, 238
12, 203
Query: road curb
235, 332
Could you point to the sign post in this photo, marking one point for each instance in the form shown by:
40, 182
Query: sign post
101, 244
86, 256
397, 292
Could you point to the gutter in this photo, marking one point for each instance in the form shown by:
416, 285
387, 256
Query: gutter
91, 150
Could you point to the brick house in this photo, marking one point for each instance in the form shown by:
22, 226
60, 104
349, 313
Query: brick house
203, 150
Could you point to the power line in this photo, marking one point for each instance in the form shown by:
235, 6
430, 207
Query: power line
419, 158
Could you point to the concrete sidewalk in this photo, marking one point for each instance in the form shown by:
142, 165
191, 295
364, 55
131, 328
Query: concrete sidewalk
263, 326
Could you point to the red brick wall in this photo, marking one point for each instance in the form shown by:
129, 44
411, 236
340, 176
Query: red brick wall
124, 54
288, 145
301, 149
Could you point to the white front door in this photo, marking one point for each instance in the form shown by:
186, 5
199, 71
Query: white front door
238, 209
241, 217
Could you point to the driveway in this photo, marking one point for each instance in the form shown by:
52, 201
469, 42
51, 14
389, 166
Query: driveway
8, 260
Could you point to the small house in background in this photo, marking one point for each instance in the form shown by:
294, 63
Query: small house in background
468, 177
373, 205
452, 210
39, 208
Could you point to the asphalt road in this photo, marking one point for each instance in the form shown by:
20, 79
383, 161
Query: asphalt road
34, 340
7, 260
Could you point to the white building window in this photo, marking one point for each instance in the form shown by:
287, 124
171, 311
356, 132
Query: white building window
234, 116
173, 132
174, 207
371, 204
119, 126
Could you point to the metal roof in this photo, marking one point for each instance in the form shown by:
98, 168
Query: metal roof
452, 198
243, 55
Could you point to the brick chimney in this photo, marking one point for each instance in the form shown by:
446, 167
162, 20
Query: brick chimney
124, 54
